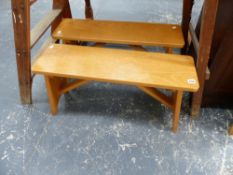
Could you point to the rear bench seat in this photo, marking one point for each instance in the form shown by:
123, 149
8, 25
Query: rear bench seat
147, 71
169, 36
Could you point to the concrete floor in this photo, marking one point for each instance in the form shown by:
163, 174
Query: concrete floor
103, 128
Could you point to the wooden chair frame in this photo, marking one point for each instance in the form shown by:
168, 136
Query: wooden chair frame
25, 39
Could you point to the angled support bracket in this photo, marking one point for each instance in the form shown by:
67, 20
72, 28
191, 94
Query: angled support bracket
174, 102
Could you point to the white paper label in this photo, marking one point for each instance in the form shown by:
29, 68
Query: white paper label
191, 81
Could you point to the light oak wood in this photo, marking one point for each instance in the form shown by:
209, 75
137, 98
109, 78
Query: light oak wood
130, 33
43, 25
145, 70
54, 85
120, 66
176, 116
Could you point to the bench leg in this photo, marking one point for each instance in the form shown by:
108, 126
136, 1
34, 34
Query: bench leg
54, 86
231, 129
178, 95
169, 50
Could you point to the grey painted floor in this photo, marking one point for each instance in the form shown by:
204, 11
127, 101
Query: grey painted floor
105, 129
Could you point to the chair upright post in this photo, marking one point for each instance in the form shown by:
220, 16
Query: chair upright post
206, 35
21, 24
88, 10
66, 11
22, 31
186, 18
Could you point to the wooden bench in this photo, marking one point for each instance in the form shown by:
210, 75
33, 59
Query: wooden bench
168, 36
145, 70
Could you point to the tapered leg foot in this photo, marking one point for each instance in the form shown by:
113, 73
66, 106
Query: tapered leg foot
176, 116
54, 86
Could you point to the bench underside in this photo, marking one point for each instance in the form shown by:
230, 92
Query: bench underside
57, 86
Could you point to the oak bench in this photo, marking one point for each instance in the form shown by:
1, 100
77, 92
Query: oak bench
146, 70
169, 36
